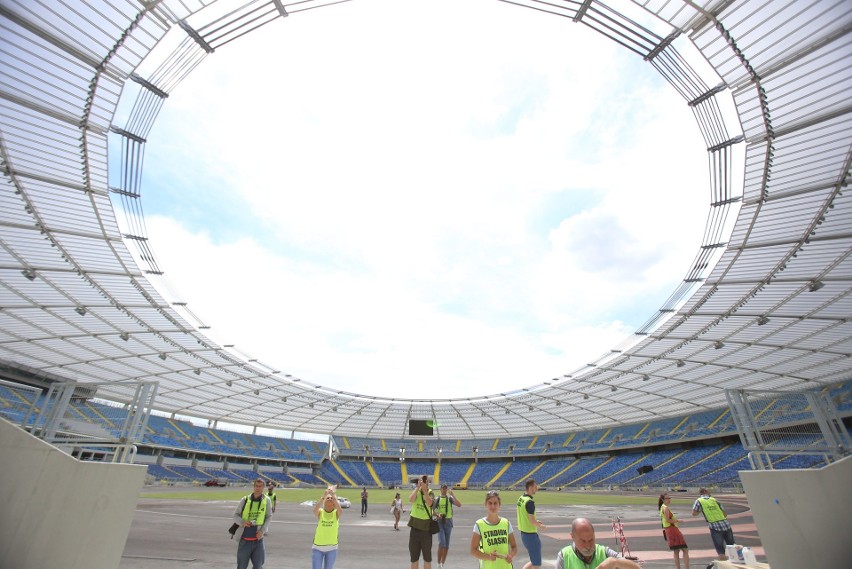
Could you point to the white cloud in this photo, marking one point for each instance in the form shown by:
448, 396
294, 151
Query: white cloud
470, 195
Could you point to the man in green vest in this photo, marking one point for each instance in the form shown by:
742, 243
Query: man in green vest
584, 553
252, 515
420, 537
720, 527
529, 525
271, 493
443, 507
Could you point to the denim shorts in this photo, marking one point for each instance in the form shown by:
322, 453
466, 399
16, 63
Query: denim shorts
720, 538
446, 528
532, 542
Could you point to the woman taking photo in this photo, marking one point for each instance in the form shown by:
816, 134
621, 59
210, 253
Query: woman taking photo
493, 539
670, 530
327, 510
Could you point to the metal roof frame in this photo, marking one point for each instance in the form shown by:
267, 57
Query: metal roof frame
766, 303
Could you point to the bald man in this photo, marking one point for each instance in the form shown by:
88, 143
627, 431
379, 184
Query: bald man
585, 554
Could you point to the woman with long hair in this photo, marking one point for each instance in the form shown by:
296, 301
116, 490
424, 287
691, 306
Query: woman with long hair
493, 540
396, 510
673, 536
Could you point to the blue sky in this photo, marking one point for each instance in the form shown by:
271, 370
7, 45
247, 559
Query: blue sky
444, 202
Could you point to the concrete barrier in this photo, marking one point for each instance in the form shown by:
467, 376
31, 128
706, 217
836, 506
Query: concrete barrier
58, 511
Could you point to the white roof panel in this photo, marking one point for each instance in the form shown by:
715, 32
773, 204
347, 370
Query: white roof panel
773, 313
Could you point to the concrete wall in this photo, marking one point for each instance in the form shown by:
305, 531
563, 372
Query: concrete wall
60, 512
803, 516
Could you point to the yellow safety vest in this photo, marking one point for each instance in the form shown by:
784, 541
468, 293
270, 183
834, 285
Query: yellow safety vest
493, 538
445, 506
328, 525
420, 510
524, 523
665, 521
257, 516
711, 509
570, 559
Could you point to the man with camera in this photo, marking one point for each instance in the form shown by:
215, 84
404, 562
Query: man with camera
444, 509
420, 536
252, 518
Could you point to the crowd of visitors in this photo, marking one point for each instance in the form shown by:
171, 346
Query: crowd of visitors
492, 540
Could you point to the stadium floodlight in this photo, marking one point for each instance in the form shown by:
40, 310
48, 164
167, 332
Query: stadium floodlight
718, 344
81, 310
29, 273
815, 286
762, 320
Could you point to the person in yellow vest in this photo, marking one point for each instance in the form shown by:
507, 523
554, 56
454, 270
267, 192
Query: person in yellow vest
328, 511
673, 535
444, 504
270, 491
529, 525
714, 513
252, 515
493, 539
584, 553
420, 538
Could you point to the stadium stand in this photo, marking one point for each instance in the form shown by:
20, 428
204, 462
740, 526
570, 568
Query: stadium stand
692, 450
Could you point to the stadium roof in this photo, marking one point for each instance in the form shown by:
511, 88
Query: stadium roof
766, 303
